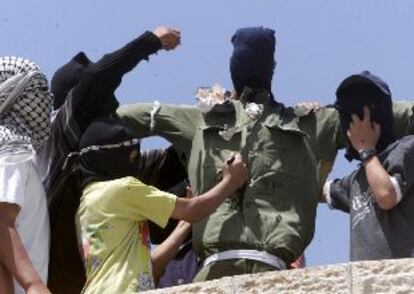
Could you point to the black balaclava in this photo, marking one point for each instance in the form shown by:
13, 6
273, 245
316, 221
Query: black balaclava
101, 156
361, 90
252, 63
66, 77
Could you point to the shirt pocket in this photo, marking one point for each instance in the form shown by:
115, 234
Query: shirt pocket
211, 152
279, 150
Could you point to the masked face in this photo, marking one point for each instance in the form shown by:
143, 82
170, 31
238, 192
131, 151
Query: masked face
358, 91
25, 121
108, 151
252, 62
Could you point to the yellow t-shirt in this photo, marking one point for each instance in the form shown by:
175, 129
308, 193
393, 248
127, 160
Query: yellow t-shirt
112, 227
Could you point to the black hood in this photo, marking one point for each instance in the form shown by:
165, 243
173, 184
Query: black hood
105, 148
66, 77
361, 90
252, 62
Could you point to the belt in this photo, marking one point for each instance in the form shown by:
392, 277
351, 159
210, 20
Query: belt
261, 256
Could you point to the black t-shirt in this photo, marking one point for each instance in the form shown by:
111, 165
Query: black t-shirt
377, 233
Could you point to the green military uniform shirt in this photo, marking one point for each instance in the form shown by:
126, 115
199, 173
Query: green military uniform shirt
275, 211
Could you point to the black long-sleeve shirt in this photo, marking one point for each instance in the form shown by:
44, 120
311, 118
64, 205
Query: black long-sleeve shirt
91, 97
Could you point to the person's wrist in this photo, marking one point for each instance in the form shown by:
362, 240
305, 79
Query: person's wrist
229, 180
37, 286
183, 224
366, 155
363, 146
155, 39
34, 283
229, 183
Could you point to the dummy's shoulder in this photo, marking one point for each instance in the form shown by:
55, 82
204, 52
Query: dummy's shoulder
320, 113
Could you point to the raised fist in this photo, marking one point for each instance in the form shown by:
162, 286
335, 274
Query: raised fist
170, 38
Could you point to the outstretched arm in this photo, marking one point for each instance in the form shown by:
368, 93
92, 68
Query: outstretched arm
109, 70
94, 94
175, 123
13, 256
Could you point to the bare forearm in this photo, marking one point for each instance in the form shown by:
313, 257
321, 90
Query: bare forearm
6, 281
168, 249
195, 209
15, 259
380, 183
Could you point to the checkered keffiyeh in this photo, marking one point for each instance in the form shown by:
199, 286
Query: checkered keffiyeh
25, 121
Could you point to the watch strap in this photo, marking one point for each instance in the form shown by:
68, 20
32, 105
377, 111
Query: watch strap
366, 154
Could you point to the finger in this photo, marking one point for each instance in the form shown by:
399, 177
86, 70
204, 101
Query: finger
176, 41
175, 30
230, 158
238, 157
377, 128
173, 46
174, 34
351, 127
367, 114
355, 118
173, 39
170, 45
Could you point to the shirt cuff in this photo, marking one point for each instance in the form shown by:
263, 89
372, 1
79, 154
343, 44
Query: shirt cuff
397, 189
152, 40
327, 193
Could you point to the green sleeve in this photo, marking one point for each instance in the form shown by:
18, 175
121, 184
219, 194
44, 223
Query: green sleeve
176, 124
329, 136
329, 139
324, 131
325, 136
403, 114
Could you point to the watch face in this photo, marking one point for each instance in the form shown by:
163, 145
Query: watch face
366, 154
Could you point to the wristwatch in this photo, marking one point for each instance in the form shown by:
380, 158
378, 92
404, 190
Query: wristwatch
366, 154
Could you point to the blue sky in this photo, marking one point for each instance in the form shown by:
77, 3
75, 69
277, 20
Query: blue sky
319, 43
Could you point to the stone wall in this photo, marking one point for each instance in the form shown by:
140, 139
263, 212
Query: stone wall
385, 276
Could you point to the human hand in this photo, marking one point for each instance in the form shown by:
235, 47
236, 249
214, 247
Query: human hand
235, 171
309, 105
170, 38
363, 134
